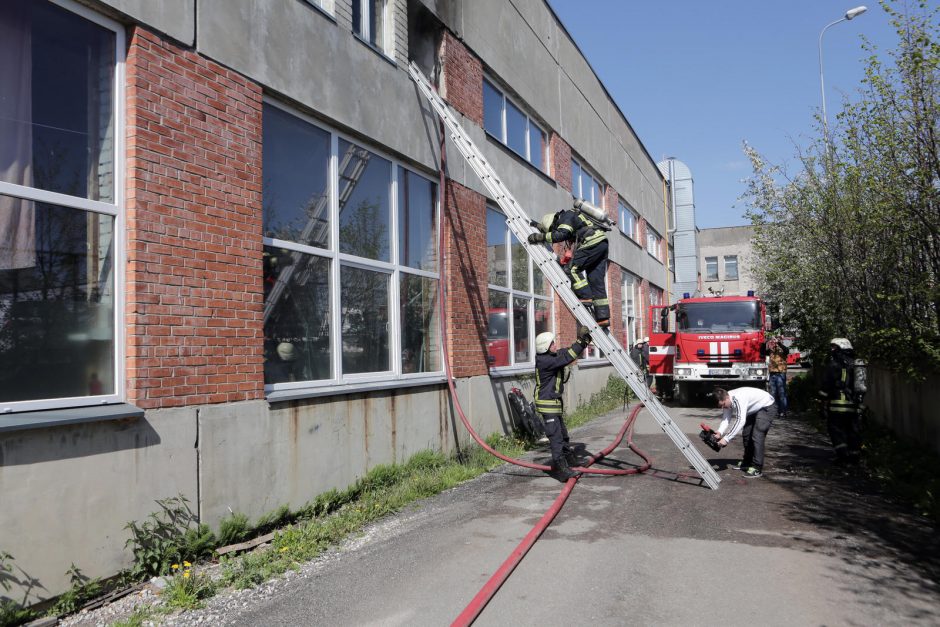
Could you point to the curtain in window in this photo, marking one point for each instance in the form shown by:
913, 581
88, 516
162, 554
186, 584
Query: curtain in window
17, 216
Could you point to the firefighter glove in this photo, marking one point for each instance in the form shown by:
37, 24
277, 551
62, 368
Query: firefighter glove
584, 335
536, 238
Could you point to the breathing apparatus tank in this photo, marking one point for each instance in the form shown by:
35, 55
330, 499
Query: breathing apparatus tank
596, 214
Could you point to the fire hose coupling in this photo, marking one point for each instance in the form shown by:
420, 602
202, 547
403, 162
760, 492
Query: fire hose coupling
710, 437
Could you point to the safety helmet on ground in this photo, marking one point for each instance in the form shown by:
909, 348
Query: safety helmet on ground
546, 222
543, 341
842, 343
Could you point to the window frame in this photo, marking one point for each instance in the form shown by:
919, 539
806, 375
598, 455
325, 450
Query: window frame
655, 241
627, 211
116, 210
596, 183
530, 124
341, 382
511, 294
366, 26
709, 277
734, 261
629, 297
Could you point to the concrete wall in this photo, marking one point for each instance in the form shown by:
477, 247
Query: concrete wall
719, 242
67, 492
908, 409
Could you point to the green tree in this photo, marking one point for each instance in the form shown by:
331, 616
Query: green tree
850, 244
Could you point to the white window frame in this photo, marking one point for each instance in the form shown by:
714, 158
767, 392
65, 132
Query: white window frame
629, 297
707, 277
386, 44
628, 215
340, 382
737, 270
529, 125
324, 5
511, 293
115, 210
654, 243
578, 190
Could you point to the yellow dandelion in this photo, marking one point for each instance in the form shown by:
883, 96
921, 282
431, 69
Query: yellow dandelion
186, 575
175, 566
187, 564
282, 549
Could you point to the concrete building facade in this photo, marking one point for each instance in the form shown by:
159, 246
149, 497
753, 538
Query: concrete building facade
726, 261
222, 224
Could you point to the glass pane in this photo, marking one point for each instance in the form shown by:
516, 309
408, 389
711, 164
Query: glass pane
538, 145
295, 166
417, 221
576, 179
377, 23
515, 128
296, 316
711, 268
364, 310
497, 337
731, 268
543, 315
56, 302
540, 284
357, 16
56, 100
420, 325
598, 193
492, 111
520, 266
496, 261
364, 189
520, 329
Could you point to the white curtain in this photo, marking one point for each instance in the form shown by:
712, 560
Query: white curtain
17, 216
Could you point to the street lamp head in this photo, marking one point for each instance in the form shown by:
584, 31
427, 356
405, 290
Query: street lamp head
855, 12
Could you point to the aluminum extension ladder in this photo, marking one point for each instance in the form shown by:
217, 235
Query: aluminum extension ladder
518, 222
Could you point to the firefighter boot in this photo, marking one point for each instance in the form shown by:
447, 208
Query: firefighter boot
561, 470
602, 314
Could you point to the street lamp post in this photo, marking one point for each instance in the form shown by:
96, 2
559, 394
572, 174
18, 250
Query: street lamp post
851, 13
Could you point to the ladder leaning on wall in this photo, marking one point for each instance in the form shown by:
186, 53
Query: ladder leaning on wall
519, 223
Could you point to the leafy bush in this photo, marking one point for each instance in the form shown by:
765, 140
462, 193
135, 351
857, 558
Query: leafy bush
233, 528
168, 536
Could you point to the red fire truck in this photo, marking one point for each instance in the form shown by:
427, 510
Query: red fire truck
700, 343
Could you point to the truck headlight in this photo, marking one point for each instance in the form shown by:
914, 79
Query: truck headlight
683, 372
757, 372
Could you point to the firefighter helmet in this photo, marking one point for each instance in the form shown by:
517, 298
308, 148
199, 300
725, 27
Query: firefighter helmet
543, 342
546, 223
841, 343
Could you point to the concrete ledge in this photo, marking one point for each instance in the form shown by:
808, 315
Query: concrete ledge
73, 415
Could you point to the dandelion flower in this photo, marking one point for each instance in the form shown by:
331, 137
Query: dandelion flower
175, 566
187, 564
186, 575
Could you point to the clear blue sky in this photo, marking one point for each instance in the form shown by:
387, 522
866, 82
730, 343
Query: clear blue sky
695, 78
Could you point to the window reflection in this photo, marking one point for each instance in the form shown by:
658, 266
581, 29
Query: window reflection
496, 253
420, 325
520, 328
417, 221
364, 311
364, 188
497, 336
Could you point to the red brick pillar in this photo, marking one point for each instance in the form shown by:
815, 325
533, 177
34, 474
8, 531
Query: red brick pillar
462, 80
615, 295
194, 292
560, 160
466, 275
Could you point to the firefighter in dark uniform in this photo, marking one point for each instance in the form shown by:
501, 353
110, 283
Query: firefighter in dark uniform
843, 415
550, 386
588, 266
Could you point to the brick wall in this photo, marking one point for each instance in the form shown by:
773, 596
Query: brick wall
462, 78
611, 198
464, 235
560, 160
194, 293
615, 295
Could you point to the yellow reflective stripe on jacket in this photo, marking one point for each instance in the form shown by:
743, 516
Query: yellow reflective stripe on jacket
592, 239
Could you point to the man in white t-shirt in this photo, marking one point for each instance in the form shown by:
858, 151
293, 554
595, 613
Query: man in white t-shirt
750, 412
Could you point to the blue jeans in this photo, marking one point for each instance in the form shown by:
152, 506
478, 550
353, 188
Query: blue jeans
778, 387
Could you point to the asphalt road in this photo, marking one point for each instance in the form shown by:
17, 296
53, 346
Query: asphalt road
807, 544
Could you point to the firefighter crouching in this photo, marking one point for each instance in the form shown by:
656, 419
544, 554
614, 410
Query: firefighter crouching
550, 386
588, 266
841, 401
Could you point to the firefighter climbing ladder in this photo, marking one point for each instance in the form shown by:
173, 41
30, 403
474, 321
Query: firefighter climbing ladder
518, 223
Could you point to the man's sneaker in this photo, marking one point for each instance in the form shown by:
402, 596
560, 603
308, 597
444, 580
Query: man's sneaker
753, 472
740, 465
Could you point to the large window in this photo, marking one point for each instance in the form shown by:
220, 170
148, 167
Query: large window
629, 221
519, 301
731, 267
629, 287
350, 260
654, 243
585, 185
370, 21
60, 205
711, 268
506, 122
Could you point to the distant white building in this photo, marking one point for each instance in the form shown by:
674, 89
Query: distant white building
726, 261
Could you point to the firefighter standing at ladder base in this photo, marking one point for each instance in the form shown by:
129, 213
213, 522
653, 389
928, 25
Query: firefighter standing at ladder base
549, 389
841, 402
588, 266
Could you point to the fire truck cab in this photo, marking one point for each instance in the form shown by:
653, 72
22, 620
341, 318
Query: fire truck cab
700, 343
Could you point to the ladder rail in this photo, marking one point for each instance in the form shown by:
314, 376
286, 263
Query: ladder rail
519, 223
